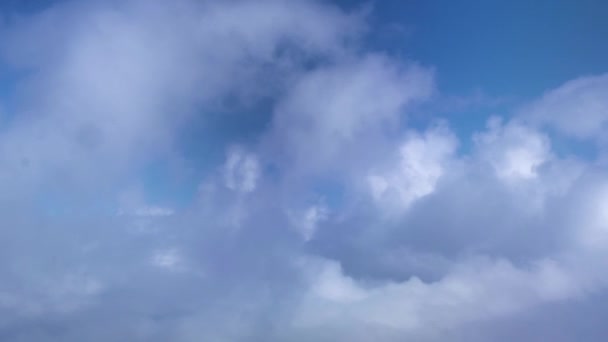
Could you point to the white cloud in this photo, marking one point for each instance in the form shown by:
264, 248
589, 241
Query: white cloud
307, 222
578, 108
482, 235
168, 259
515, 151
338, 112
591, 216
478, 289
241, 171
330, 284
118, 81
422, 160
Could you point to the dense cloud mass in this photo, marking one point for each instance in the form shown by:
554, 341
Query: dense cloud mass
332, 218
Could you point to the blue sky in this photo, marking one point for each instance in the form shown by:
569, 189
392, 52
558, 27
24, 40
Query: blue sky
306, 170
491, 45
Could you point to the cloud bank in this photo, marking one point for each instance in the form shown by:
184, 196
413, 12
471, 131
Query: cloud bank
333, 219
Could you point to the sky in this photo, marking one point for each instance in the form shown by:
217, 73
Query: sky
303, 170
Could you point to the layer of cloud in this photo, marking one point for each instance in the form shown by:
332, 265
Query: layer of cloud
338, 222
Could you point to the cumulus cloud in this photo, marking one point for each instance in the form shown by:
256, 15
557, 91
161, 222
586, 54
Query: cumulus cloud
514, 152
422, 162
475, 290
336, 219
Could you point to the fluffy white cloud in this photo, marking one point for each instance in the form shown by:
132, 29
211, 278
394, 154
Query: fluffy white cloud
515, 151
475, 290
422, 160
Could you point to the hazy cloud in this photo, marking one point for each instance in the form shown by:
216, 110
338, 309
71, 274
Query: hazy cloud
337, 219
